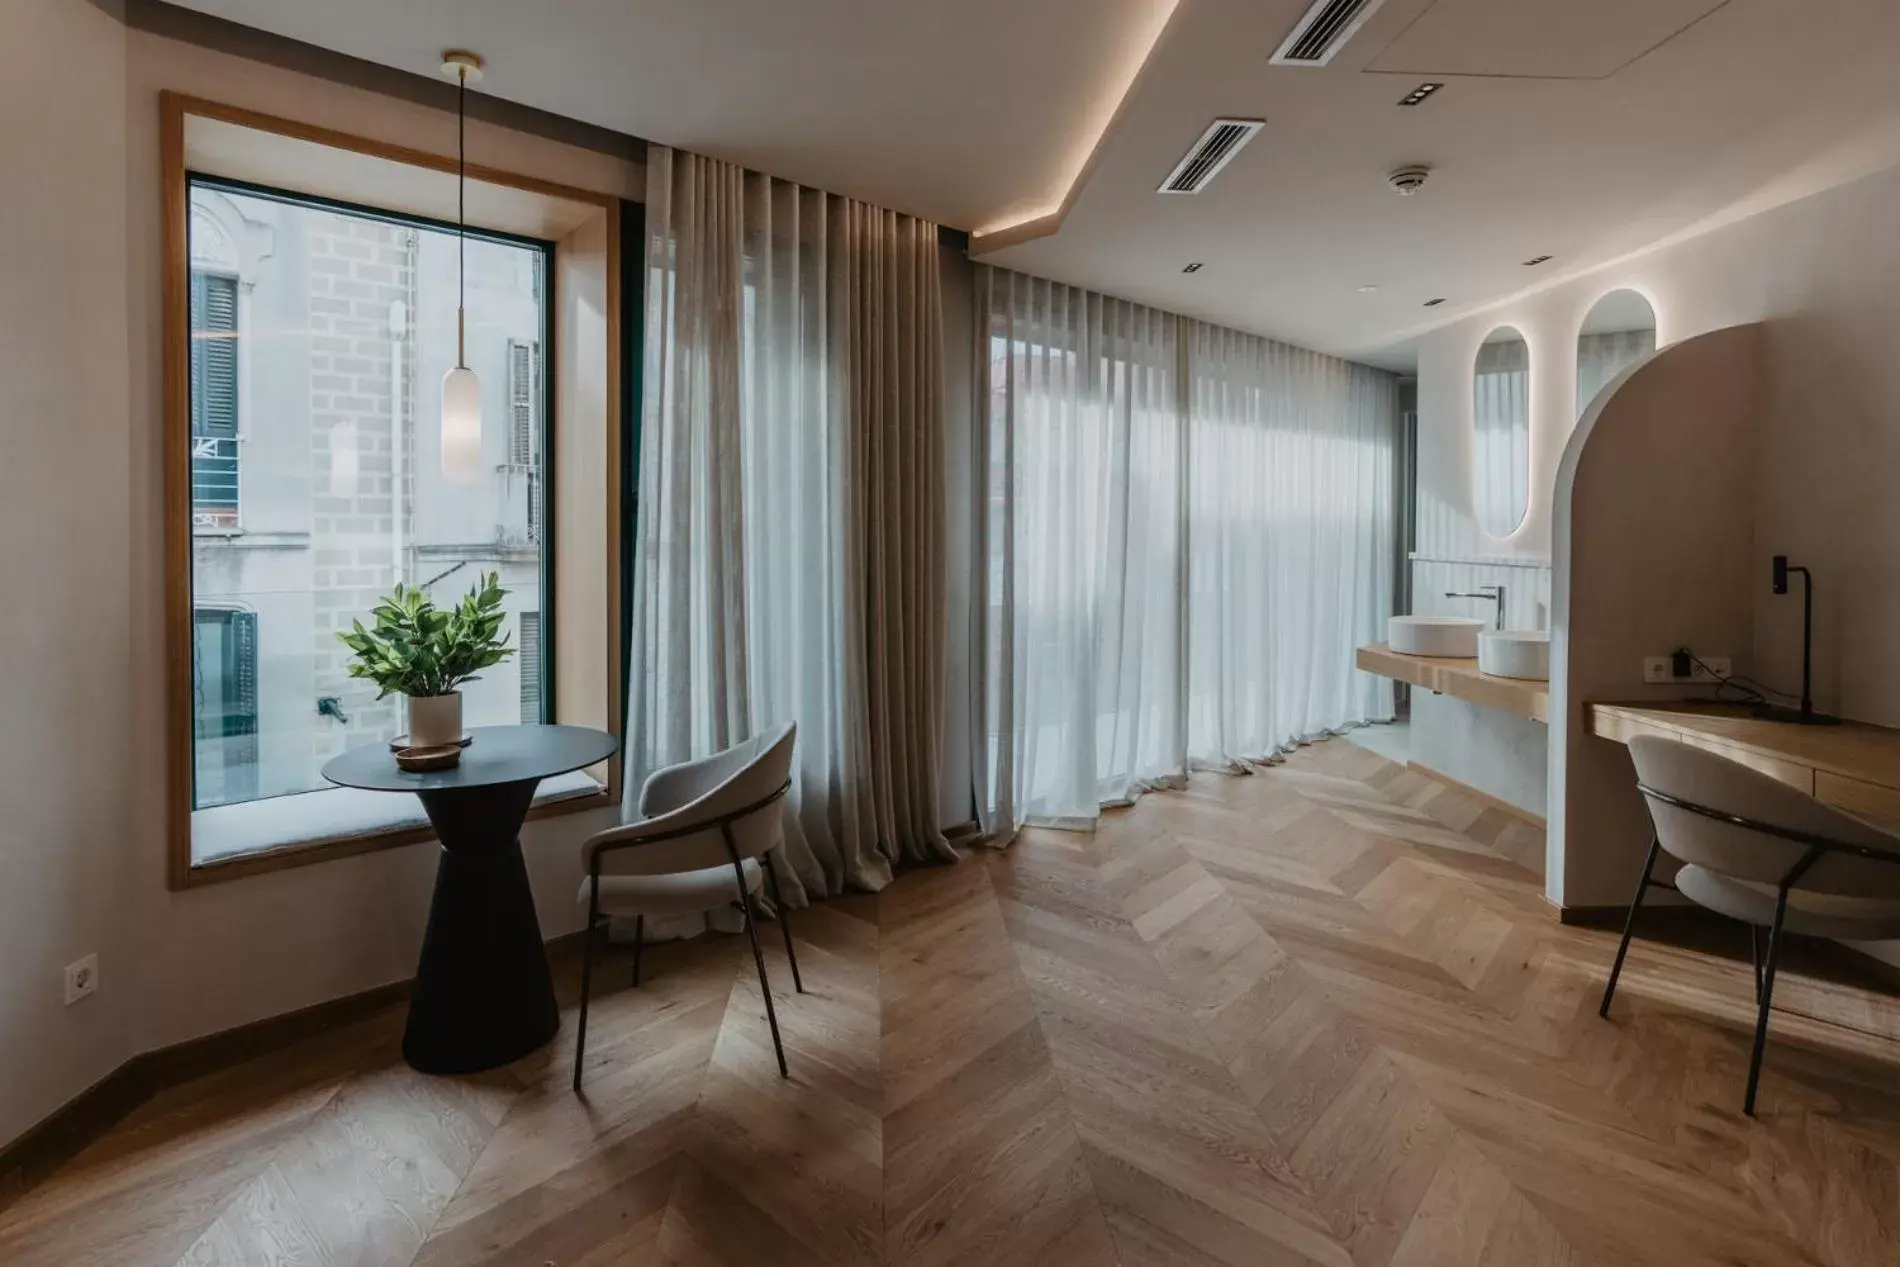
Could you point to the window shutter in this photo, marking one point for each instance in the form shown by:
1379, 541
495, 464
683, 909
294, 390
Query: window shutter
528, 660
214, 407
522, 360
214, 400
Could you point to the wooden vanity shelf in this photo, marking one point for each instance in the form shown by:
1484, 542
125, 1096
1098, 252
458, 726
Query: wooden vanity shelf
1459, 679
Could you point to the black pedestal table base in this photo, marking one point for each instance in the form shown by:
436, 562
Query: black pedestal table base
483, 994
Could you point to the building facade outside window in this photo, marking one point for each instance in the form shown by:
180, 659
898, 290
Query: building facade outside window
319, 338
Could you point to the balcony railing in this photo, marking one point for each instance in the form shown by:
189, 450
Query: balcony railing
214, 481
520, 518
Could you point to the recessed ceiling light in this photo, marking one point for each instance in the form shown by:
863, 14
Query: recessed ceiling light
1195, 267
1541, 259
1433, 303
1367, 290
1418, 95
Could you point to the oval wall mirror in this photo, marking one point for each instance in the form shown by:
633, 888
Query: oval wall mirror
1618, 331
1501, 423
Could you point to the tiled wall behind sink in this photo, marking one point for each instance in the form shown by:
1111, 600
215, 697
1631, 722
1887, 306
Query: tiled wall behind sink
1526, 589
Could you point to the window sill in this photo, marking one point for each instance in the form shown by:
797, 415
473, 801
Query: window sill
232, 841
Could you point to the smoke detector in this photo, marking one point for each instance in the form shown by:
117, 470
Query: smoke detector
1409, 179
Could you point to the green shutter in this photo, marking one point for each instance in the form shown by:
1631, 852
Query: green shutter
214, 400
214, 409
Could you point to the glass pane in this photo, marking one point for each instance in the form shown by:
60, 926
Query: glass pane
320, 338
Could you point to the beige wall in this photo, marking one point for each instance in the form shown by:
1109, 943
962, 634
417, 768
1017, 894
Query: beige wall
1823, 276
83, 767
227, 954
83, 634
67, 637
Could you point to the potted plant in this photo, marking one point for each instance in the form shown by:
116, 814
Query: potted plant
425, 652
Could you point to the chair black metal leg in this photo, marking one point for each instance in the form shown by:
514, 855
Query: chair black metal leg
639, 944
1754, 954
587, 981
758, 958
1767, 996
1629, 925
784, 920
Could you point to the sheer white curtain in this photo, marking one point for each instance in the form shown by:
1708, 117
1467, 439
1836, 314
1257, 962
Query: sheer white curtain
788, 561
1187, 532
1601, 357
1082, 451
1291, 522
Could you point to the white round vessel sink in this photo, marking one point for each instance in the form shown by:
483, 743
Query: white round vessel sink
1449, 637
1521, 653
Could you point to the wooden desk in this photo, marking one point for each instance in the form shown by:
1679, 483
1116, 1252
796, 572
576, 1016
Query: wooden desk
1853, 765
1459, 679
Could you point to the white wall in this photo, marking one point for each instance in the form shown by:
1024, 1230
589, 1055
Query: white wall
1501, 754
66, 632
1823, 274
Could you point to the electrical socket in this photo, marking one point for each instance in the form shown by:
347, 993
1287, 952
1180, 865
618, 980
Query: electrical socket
1707, 669
82, 978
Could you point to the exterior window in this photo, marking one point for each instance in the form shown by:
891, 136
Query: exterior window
523, 474
528, 638
214, 401
320, 335
224, 701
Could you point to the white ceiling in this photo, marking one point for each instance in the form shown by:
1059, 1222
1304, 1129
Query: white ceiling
962, 111
1581, 129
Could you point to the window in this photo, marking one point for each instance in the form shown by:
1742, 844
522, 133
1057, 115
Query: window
214, 400
305, 338
523, 472
528, 638
319, 337
224, 704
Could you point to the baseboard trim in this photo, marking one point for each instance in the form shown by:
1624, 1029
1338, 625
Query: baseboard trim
65, 1132
1483, 798
1657, 915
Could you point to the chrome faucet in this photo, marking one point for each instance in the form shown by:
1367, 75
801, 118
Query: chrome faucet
1490, 593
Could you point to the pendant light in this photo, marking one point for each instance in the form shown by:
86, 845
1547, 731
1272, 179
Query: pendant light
461, 390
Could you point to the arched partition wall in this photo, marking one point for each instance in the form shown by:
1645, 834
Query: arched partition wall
1652, 535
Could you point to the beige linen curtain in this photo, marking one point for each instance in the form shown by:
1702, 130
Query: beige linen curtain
788, 553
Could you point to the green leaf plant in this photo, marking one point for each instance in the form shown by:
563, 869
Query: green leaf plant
417, 648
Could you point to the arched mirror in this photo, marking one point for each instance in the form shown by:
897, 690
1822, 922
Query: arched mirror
1501, 444
1618, 331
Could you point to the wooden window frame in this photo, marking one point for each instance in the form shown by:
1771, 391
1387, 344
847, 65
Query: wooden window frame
175, 108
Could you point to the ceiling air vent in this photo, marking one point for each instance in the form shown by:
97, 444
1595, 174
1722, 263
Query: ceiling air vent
1207, 156
1324, 31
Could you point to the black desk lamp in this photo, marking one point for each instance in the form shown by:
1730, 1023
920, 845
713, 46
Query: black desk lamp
1805, 715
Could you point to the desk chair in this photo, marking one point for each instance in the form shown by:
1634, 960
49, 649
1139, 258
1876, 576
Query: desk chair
1758, 850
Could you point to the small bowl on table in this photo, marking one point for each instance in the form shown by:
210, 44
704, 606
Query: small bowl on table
422, 760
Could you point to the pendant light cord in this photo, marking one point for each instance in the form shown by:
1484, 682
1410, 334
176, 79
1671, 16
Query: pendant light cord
461, 215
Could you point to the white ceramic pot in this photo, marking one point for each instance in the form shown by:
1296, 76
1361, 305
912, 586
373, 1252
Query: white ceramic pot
435, 719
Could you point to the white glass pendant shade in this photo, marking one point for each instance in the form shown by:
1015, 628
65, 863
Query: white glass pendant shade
461, 426
345, 464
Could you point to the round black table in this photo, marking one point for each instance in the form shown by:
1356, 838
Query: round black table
483, 996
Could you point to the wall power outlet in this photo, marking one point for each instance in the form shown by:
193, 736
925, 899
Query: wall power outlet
1657, 670
82, 978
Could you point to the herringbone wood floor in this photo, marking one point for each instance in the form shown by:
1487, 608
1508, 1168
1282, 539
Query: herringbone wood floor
1320, 1015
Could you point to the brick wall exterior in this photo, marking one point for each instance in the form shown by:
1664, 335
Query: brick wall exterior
358, 269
